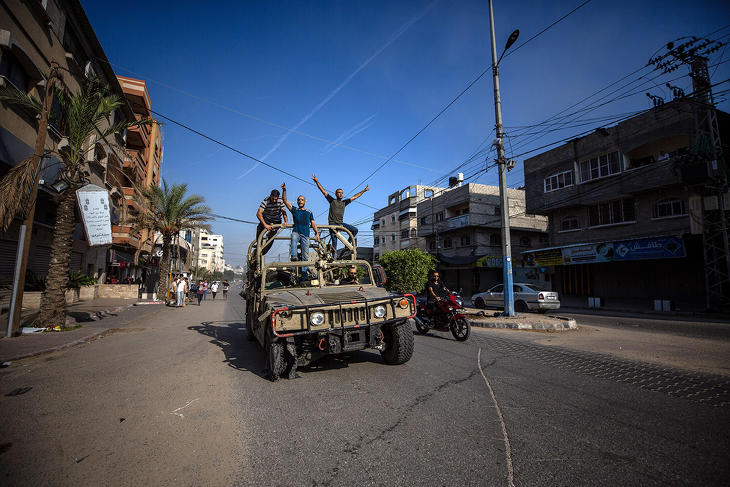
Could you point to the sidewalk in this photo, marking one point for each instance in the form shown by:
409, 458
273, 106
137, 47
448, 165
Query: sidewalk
95, 317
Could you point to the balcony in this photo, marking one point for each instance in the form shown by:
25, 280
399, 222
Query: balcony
138, 137
459, 221
131, 198
133, 161
122, 235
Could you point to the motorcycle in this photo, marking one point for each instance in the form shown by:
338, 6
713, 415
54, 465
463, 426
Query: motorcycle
445, 315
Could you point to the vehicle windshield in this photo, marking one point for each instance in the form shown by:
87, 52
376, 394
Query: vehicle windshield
342, 274
286, 277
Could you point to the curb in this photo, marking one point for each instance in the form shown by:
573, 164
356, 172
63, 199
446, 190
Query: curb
78, 341
566, 324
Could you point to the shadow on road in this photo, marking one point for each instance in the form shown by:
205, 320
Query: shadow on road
230, 336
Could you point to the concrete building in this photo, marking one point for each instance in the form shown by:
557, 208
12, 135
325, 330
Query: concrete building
32, 34
210, 251
630, 208
395, 226
461, 227
140, 168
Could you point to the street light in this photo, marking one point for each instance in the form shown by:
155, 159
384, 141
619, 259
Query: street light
509, 298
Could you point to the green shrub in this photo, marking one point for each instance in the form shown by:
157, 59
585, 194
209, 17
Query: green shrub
406, 270
77, 279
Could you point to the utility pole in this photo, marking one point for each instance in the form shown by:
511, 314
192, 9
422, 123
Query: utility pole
509, 298
26, 229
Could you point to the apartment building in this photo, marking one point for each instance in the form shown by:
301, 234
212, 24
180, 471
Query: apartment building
635, 210
395, 226
140, 168
461, 227
32, 35
210, 251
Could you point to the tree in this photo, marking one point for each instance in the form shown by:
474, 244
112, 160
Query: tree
85, 114
168, 210
406, 270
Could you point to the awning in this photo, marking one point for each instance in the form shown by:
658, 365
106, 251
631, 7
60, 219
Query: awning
459, 260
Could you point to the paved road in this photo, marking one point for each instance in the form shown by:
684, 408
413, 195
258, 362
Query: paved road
497, 408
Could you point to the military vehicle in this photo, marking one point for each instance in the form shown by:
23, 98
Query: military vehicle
300, 311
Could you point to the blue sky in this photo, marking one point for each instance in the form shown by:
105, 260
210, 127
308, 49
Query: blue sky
370, 75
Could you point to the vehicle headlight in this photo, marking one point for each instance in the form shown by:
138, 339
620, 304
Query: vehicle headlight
317, 318
379, 311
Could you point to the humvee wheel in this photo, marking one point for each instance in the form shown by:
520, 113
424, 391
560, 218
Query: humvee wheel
249, 325
275, 359
398, 343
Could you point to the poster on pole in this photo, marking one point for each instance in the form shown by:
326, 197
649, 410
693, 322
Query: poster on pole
94, 205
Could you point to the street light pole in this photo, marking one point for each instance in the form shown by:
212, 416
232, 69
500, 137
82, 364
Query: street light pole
509, 298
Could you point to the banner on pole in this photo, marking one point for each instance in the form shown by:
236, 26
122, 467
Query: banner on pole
94, 205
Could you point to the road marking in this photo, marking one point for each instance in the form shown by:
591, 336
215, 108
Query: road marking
507, 448
175, 412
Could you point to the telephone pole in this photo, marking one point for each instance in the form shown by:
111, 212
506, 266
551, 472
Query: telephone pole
509, 298
26, 229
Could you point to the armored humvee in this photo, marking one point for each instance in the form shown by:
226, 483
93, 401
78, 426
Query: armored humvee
300, 311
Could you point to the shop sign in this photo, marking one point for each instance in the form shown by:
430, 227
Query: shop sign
649, 248
544, 258
490, 261
588, 254
94, 205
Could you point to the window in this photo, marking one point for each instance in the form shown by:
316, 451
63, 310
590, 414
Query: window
392, 218
447, 243
432, 245
569, 223
495, 239
612, 212
428, 193
404, 233
599, 167
377, 256
525, 241
425, 220
413, 232
376, 241
392, 200
382, 221
465, 240
559, 181
440, 216
497, 210
13, 71
669, 208
497, 289
392, 237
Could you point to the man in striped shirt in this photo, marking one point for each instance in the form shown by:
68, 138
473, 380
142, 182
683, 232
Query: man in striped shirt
270, 212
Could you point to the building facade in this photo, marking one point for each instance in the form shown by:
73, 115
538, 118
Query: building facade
210, 251
629, 208
461, 227
32, 35
395, 226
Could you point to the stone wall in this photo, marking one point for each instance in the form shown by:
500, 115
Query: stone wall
117, 291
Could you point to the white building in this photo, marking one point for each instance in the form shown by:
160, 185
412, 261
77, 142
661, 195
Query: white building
210, 251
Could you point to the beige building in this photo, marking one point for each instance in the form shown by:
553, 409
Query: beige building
32, 35
395, 226
210, 251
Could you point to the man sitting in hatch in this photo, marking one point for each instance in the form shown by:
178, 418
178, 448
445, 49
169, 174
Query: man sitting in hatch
351, 277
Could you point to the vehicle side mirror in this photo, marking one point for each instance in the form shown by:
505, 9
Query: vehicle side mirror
379, 274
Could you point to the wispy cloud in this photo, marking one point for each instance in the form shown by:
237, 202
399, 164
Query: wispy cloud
402, 30
348, 134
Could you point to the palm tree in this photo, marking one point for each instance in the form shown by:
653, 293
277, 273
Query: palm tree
86, 113
168, 210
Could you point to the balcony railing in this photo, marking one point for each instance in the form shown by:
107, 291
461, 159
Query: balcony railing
459, 221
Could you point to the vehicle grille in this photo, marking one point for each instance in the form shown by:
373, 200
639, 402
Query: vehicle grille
350, 316
346, 297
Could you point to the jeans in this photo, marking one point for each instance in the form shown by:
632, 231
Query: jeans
200, 298
180, 297
346, 225
302, 240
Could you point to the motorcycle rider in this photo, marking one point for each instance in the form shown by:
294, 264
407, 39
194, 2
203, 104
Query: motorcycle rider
435, 290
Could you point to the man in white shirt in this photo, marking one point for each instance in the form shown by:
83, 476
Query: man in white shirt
181, 285
214, 289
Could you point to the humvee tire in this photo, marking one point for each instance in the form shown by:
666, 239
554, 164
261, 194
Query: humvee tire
249, 326
399, 343
275, 359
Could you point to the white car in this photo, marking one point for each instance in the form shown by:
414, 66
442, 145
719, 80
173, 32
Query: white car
528, 297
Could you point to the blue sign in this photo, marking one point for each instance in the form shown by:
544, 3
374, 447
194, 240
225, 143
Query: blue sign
649, 248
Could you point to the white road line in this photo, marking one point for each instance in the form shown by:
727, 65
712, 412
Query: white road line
507, 448
175, 412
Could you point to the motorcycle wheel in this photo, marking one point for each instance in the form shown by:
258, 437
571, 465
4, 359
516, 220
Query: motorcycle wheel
461, 329
423, 330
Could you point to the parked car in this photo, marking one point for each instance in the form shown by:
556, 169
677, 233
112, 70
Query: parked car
528, 297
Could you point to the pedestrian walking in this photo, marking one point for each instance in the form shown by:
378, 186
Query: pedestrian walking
199, 292
181, 285
302, 219
270, 212
337, 209
214, 289
205, 289
226, 286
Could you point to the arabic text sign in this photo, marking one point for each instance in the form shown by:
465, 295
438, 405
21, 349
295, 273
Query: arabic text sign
588, 254
94, 205
649, 248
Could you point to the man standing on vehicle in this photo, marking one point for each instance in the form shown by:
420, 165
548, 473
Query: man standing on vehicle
301, 218
270, 213
337, 209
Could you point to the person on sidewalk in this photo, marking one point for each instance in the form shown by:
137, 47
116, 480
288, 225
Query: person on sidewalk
226, 286
205, 289
302, 219
214, 289
270, 213
337, 209
199, 292
181, 288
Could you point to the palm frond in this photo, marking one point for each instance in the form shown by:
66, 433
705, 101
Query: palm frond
13, 96
15, 188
